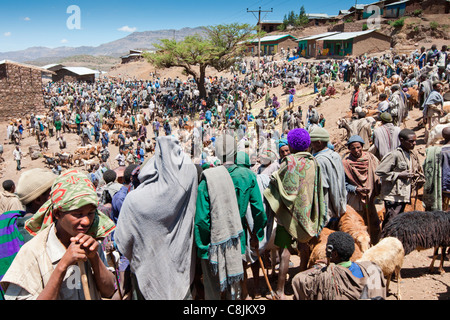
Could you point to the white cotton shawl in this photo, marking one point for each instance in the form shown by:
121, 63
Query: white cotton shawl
155, 229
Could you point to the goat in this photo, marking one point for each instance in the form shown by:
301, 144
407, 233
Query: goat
64, 159
49, 161
352, 223
388, 254
446, 106
420, 230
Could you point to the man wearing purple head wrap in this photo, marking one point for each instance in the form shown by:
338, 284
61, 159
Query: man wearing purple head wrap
295, 195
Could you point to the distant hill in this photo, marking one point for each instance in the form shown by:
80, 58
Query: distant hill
137, 40
102, 63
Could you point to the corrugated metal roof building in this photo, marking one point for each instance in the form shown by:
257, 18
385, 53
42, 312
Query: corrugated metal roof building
74, 74
354, 43
273, 44
307, 45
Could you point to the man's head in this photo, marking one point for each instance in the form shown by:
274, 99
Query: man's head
437, 86
283, 148
298, 140
386, 117
9, 185
340, 247
226, 148
355, 145
319, 139
33, 188
407, 139
109, 176
127, 173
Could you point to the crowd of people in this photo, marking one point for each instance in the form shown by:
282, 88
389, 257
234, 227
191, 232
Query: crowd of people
194, 206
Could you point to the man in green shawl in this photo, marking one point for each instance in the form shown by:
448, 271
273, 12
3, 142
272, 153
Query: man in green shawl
66, 230
295, 195
436, 190
224, 194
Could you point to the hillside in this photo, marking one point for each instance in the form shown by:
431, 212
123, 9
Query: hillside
102, 63
117, 48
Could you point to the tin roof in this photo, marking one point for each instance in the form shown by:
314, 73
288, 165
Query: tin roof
273, 38
318, 36
347, 35
81, 71
396, 3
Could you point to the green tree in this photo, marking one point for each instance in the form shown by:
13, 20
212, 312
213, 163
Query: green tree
302, 17
219, 48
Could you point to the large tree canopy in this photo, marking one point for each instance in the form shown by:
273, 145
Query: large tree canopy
219, 48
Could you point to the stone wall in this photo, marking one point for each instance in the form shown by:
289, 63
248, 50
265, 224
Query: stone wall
20, 91
347, 27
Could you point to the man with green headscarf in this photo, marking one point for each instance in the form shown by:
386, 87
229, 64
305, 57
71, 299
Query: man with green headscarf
66, 232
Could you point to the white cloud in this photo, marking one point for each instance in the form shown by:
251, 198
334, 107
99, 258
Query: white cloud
27, 19
64, 41
127, 29
7, 34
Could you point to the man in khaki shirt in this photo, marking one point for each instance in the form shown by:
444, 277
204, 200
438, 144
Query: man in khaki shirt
9, 201
400, 173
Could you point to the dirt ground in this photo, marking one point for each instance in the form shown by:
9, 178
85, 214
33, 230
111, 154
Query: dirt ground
416, 282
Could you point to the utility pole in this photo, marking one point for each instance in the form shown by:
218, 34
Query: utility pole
259, 11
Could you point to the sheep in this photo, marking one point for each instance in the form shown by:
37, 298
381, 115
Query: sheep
388, 254
352, 223
421, 230
436, 133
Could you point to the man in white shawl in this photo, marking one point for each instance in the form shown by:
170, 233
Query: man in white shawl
385, 137
397, 105
433, 107
155, 229
333, 176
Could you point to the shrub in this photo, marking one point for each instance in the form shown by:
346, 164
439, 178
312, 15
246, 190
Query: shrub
398, 23
365, 27
434, 25
417, 12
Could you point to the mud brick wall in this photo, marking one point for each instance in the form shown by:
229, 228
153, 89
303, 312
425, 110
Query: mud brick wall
20, 91
371, 43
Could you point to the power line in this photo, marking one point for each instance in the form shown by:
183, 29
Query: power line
259, 11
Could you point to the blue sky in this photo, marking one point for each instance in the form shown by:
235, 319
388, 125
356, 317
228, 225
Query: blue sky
30, 23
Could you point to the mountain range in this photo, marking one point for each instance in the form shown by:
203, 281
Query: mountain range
144, 40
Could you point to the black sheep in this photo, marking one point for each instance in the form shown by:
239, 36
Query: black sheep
419, 230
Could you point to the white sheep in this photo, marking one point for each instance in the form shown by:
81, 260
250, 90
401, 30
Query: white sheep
388, 254
436, 133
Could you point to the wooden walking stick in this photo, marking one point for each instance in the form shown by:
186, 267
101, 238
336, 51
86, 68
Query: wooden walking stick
367, 215
116, 275
84, 280
272, 293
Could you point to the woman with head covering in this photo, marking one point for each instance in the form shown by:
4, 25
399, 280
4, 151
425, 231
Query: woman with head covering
66, 231
362, 184
295, 195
